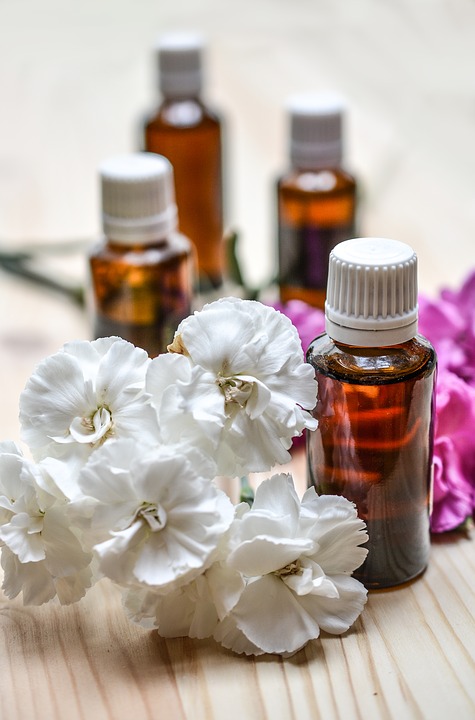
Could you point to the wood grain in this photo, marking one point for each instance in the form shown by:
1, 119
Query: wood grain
410, 655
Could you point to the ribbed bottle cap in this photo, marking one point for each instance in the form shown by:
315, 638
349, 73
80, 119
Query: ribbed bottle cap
372, 292
316, 130
180, 64
138, 198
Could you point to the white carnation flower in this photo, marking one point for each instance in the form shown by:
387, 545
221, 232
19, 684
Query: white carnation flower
160, 522
83, 395
166, 374
246, 387
297, 558
41, 554
192, 610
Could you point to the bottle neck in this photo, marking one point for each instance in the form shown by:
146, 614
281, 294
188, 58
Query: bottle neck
141, 230
174, 240
372, 335
171, 97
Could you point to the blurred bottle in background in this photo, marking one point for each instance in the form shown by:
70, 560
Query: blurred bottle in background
316, 198
188, 133
141, 272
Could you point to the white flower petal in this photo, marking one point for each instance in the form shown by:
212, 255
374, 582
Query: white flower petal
211, 337
264, 555
195, 609
87, 354
253, 357
230, 636
72, 588
11, 463
288, 578
84, 394
311, 579
336, 615
106, 476
64, 553
191, 515
121, 370
189, 406
26, 545
52, 398
190, 611
333, 522
256, 445
259, 398
202, 398
175, 613
164, 371
225, 587
60, 478
32, 579
117, 557
140, 604
252, 615
277, 496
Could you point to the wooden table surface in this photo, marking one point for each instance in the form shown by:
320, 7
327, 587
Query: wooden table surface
74, 80
411, 654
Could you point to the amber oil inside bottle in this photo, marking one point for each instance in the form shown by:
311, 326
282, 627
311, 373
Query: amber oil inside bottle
141, 292
373, 445
189, 134
316, 211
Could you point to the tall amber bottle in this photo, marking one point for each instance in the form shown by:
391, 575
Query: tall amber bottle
186, 131
141, 272
316, 198
375, 405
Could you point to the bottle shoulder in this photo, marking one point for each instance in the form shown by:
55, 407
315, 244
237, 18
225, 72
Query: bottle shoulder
324, 181
372, 366
183, 113
175, 244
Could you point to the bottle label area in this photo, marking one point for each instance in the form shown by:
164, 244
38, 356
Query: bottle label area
373, 446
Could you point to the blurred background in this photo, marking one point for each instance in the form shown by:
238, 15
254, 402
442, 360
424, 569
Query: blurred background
77, 78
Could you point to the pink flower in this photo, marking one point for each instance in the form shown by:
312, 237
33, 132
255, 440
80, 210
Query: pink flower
449, 323
454, 453
442, 324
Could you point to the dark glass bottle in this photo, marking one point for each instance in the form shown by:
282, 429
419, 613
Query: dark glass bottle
316, 199
375, 408
141, 272
188, 133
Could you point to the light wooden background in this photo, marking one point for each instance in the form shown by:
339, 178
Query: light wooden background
75, 79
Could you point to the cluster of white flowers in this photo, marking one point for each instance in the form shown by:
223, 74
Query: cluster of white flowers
125, 450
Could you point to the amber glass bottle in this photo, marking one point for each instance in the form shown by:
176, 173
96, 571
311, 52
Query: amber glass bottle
316, 198
375, 405
141, 273
188, 133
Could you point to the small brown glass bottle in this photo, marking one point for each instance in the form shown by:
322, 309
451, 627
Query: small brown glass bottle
375, 405
316, 198
188, 133
141, 273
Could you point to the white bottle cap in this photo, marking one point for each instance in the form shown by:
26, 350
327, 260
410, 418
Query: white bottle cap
180, 64
138, 198
372, 293
316, 130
